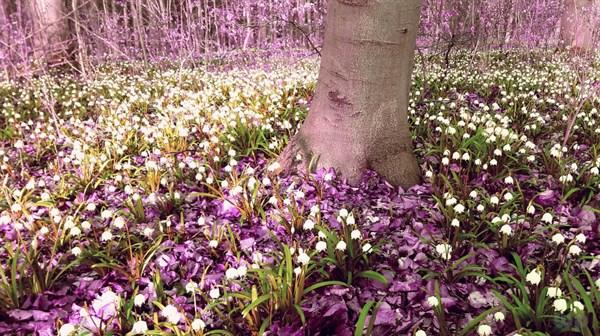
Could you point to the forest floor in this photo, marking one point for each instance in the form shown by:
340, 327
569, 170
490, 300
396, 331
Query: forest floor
148, 200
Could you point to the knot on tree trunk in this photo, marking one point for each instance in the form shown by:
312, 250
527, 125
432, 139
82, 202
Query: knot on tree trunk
354, 2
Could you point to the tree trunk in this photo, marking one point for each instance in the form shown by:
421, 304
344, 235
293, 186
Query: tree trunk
358, 118
50, 33
576, 28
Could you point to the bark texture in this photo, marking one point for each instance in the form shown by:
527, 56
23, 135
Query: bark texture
576, 27
358, 117
50, 31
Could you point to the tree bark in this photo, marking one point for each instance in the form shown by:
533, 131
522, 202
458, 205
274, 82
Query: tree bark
358, 118
576, 27
50, 31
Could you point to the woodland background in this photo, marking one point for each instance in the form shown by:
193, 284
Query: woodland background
92, 32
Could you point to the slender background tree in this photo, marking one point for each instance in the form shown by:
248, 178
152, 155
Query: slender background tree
96, 31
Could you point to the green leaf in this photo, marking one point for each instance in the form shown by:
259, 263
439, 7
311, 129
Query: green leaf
300, 313
373, 276
264, 327
587, 302
324, 284
518, 264
218, 332
474, 322
255, 304
362, 317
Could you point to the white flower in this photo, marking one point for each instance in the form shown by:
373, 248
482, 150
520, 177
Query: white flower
139, 327
341, 246
343, 213
303, 258
274, 166
171, 313
148, 232
66, 329
459, 208
473, 194
560, 305
581, 238
531, 210
106, 236
480, 208
231, 273
494, 200
554, 292
213, 244
90, 207
214, 293
574, 250
16, 207
455, 223
314, 209
350, 219
433, 301
499, 316
367, 248
198, 325
105, 214
191, 287
534, 277
321, 246
119, 222
444, 250
484, 330
451, 201
508, 196
577, 306
75, 231
355, 234
558, 238
106, 304
420, 333
139, 300
547, 217
506, 229
445, 161
509, 180
308, 225
76, 251
85, 225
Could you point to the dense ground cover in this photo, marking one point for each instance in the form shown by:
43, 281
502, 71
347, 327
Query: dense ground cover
150, 200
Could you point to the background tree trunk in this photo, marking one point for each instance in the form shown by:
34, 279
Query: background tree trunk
50, 31
358, 118
576, 28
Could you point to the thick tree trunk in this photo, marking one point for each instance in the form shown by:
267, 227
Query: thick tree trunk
576, 27
50, 33
358, 118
